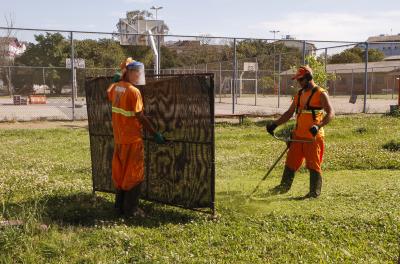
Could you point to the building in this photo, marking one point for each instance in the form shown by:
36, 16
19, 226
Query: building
390, 48
183, 46
10, 48
291, 42
382, 78
136, 23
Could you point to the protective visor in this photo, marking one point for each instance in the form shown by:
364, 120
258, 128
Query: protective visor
138, 66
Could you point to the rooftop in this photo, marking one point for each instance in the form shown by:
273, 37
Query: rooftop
382, 38
380, 66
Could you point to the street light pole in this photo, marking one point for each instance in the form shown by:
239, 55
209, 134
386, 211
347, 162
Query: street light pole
274, 32
156, 8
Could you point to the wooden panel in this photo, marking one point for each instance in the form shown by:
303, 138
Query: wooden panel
98, 107
102, 149
180, 107
179, 173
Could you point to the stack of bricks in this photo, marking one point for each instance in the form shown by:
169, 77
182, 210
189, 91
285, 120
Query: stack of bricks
19, 100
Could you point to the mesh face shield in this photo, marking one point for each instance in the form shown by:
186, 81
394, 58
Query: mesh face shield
138, 66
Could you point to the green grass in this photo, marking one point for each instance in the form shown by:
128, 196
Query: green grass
45, 179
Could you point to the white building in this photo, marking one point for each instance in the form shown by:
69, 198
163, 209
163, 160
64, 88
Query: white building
10, 48
136, 23
390, 48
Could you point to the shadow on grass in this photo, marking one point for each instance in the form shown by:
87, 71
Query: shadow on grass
86, 209
86, 127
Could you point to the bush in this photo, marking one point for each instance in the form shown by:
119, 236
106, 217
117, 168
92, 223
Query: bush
392, 146
360, 130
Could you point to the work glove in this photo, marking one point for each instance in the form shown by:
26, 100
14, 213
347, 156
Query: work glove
159, 138
314, 130
116, 77
271, 128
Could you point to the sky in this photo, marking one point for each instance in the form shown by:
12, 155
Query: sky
350, 20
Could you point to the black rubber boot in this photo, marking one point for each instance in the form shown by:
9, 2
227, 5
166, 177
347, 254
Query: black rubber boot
131, 201
315, 185
286, 182
119, 201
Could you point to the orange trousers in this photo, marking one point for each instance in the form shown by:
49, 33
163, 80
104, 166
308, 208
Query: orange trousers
311, 152
128, 165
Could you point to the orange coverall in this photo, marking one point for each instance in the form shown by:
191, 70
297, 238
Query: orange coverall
305, 119
128, 159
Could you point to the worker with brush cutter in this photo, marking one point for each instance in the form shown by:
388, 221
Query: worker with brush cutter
127, 121
309, 105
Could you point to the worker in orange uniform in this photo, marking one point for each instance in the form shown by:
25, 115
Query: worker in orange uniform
127, 122
309, 105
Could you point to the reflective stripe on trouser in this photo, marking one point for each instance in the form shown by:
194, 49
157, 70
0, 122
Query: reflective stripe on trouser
123, 112
310, 111
128, 165
311, 152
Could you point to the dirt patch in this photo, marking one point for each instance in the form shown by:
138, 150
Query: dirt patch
43, 124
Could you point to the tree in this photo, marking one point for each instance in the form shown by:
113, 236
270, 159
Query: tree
346, 56
266, 84
4, 56
375, 55
356, 55
51, 50
320, 77
265, 53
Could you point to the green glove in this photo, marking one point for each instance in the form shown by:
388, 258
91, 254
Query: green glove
116, 77
159, 138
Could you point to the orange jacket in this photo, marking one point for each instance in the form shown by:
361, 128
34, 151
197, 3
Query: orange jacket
126, 103
309, 112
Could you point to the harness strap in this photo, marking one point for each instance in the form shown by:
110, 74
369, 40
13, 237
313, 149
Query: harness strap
298, 100
313, 109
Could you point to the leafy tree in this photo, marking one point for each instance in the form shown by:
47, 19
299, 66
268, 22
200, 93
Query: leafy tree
346, 56
266, 84
320, 77
356, 55
265, 53
51, 50
375, 55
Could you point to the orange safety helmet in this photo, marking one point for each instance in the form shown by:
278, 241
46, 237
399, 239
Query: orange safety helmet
123, 65
302, 72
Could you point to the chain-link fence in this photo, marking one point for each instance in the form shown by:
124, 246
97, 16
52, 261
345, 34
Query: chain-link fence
43, 72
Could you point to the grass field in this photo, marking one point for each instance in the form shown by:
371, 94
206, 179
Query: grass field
45, 181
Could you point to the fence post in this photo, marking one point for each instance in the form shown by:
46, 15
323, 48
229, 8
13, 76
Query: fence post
159, 54
234, 76
10, 88
394, 82
352, 82
73, 74
279, 79
220, 81
326, 63
372, 82
334, 85
256, 91
44, 78
366, 78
